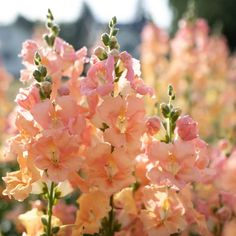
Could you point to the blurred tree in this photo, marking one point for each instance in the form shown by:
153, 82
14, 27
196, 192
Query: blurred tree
217, 12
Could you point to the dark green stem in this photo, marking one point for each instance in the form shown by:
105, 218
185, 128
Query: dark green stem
111, 214
49, 210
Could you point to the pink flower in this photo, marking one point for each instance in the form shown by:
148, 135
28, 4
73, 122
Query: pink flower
28, 51
94, 206
100, 78
65, 212
28, 97
19, 183
108, 171
64, 50
227, 179
153, 125
177, 164
187, 128
128, 61
26, 125
58, 154
64, 112
164, 212
125, 120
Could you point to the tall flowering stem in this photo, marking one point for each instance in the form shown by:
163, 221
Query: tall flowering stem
171, 114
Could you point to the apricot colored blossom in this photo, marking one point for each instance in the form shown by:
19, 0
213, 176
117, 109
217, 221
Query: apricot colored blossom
132, 72
163, 213
125, 120
100, 78
229, 228
31, 220
57, 154
177, 164
93, 207
226, 178
108, 170
29, 48
65, 212
28, 97
19, 183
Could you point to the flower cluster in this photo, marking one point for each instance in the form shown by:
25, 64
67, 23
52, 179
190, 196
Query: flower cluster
89, 132
190, 62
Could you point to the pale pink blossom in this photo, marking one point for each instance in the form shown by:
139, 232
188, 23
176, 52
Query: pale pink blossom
125, 120
29, 48
57, 154
100, 78
177, 164
153, 125
28, 97
164, 212
108, 170
187, 128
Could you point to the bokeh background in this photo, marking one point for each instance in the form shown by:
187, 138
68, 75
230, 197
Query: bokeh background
82, 21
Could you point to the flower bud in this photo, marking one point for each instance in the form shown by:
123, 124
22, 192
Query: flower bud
114, 43
165, 110
153, 125
187, 128
105, 39
100, 52
175, 113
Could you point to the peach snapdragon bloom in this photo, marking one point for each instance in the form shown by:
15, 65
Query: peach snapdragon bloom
57, 154
229, 228
125, 120
65, 212
108, 170
31, 220
131, 71
164, 212
178, 163
227, 180
100, 78
28, 97
19, 183
93, 207
61, 60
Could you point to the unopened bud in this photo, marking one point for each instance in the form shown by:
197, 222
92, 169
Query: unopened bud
170, 90
105, 39
42, 70
37, 75
175, 113
101, 53
46, 89
165, 110
55, 229
115, 31
44, 220
114, 43
153, 125
114, 20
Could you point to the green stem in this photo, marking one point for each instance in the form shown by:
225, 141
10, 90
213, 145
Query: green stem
49, 210
169, 130
169, 125
111, 214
